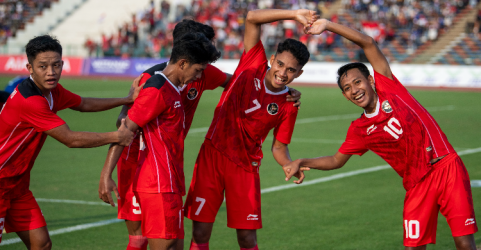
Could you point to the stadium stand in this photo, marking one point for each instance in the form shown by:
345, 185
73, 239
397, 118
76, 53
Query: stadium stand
14, 14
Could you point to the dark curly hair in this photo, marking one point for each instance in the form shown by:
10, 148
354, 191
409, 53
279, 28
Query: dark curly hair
297, 49
189, 26
355, 65
41, 44
195, 48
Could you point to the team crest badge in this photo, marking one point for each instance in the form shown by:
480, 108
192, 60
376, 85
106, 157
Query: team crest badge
192, 94
272, 108
386, 107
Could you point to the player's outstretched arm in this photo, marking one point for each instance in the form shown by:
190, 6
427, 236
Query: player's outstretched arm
367, 43
255, 18
74, 139
89, 104
280, 151
321, 163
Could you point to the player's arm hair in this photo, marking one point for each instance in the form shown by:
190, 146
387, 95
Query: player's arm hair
255, 19
280, 151
227, 79
74, 139
325, 162
374, 55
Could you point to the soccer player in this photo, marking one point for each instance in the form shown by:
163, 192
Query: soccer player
28, 116
396, 127
128, 207
159, 183
253, 103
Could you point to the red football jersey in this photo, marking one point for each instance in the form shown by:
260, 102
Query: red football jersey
159, 111
211, 78
247, 111
23, 119
400, 131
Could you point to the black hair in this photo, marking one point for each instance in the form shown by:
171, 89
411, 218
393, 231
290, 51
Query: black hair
297, 49
195, 48
355, 65
41, 44
189, 26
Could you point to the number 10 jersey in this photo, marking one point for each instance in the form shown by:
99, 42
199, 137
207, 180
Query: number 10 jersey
400, 131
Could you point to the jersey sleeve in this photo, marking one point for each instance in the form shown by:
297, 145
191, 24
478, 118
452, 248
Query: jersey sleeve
37, 113
384, 84
214, 77
67, 99
148, 105
283, 131
145, 77
353, 145
253, 59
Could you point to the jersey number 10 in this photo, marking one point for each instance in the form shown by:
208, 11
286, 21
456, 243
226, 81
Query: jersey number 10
395, 132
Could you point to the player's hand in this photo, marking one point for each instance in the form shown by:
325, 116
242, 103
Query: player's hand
306, 17
135, 89
317, 27
106, 186
294, 96
294, 169
125, 135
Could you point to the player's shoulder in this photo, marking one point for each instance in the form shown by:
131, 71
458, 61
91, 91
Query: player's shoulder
156, 69
156, 81
27, 89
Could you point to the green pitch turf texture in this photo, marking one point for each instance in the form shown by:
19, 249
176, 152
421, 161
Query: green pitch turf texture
359, 212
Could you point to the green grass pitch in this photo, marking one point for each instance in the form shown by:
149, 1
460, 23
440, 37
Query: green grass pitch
358, 212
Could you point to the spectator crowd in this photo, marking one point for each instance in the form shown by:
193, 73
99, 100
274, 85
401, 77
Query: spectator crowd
15, 13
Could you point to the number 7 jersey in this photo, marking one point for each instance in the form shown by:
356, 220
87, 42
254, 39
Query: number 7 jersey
247, 111
400, 131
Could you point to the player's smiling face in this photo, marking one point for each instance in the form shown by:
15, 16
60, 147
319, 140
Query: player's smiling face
284, 69
359, 90
192, 72
46, 70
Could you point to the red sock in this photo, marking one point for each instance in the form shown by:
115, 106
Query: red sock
137, 242
199, 246
254, 248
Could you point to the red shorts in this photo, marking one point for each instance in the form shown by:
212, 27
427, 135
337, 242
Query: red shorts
447, 189
161, 215
128, 206
20, 214
214, 173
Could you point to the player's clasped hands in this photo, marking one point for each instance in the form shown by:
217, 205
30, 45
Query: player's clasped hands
125, 135
294, 169
306, 17
317, 27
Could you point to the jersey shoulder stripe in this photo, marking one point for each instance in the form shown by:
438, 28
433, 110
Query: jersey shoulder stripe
156, 68
156, 81
27, 88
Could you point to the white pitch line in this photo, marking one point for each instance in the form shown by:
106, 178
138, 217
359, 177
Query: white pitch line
330, 118
263, 191
68, 230
73, 202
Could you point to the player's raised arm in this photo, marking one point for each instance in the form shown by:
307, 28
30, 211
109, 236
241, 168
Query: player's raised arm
255, 18
321, 163
89, 104
367, 43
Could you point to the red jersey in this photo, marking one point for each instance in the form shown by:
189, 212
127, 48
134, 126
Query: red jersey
247, 111
211, 78
159, 111
23, 119
400, 131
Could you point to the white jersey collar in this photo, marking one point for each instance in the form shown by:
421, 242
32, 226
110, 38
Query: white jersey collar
375, 112
176, 88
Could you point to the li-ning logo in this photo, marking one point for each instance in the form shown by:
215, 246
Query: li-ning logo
252, 217
371, 129
469, 221
177, 104
257, 84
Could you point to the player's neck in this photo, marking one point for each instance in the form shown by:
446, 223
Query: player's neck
172, 74
371, 108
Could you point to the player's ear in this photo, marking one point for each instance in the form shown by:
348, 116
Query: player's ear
30, 68
371, 82
271, 61
182, 63
299, 73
